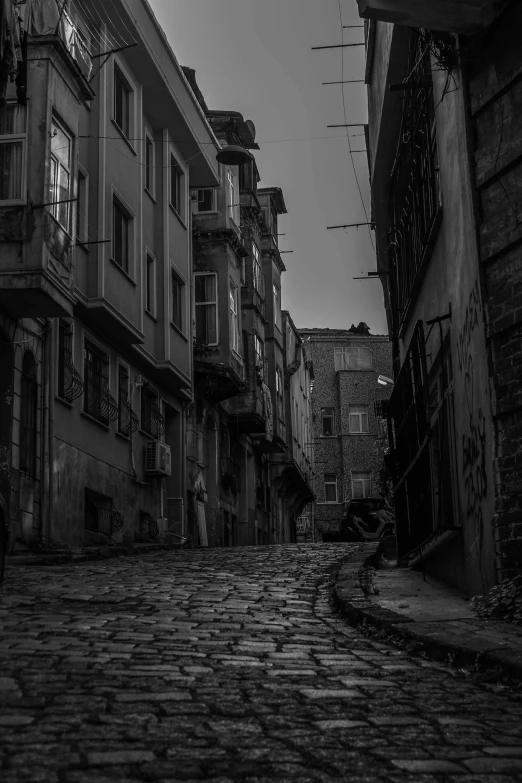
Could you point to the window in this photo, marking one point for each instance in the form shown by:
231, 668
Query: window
120, 235
81, 208
60, 176
277, 306
330, 488
361, 485
358, 419
280, 394
176, 186
149, 164
127, 419
206, 201
256, 269
152, 420
98, 402
13, 140
177, 289
233, 197
234, 317
150, 285
328, 421
259, 349
70, 383
206, 308
121, 103
354, 357
28, 413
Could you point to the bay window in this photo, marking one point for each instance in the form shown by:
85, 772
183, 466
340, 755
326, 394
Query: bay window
205, 285
234, 317
13, 145
60, 175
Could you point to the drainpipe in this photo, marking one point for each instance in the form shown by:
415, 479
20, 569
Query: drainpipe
44, 478
52, 375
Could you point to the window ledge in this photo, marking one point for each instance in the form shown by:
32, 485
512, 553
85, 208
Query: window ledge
149, 194
148, 435
123, 437
64, 402
151, 316
124, 137
96, 421
237, 355
179, 331
175, 211
123, 272
206, 212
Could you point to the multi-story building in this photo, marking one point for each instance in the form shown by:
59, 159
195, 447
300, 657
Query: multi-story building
99, 153
347, 419
242, 488
446, 176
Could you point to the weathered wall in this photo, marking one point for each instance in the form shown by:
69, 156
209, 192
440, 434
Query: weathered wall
495, 89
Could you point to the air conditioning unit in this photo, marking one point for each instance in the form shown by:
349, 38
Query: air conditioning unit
157, 458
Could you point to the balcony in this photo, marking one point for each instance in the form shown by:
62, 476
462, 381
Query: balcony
454, 16
217, 381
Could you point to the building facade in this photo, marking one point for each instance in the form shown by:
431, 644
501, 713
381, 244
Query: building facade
347, 413
446, 176
96, 275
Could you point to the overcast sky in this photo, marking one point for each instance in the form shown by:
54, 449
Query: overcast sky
254, 56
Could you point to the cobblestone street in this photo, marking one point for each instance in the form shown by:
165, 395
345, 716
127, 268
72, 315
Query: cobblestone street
227, 665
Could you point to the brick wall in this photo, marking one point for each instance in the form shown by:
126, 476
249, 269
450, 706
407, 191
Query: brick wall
344, 451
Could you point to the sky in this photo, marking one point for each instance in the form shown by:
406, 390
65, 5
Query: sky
255, 57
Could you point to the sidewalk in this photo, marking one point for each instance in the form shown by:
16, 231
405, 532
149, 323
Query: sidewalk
84, 554
429, 613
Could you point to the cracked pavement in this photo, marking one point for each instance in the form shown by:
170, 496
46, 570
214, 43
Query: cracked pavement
227, 665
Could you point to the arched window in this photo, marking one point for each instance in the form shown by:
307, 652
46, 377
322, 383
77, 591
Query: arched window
29, 403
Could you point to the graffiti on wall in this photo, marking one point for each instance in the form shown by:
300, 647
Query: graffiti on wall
474, 435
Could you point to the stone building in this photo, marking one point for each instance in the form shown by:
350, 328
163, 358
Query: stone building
446, 177
96, 273
347, 413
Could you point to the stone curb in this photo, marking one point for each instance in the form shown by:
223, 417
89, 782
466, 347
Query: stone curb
51, 558
434, 637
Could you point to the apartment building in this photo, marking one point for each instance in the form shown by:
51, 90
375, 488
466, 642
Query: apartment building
347, 412
101, 141
445, 167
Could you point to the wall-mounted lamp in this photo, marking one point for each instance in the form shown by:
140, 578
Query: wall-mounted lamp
383, 380
234, 155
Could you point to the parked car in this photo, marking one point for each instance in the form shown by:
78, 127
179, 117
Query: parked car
367, 519
4, 536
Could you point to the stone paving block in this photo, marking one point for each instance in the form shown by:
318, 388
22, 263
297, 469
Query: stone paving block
119, 757
427, 765
489, 764
159, 697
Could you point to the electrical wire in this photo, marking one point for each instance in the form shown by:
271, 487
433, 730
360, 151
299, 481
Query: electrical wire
346, 121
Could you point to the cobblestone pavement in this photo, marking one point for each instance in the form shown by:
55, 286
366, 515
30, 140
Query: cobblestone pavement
227, 665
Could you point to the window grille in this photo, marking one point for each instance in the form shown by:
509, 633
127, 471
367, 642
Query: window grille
414, 189
70, 382
380, 408
98, 401
152, 420
28, 415
358, 419
100, 514
128, 422
149, 528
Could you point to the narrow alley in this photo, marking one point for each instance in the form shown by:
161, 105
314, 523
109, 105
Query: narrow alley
227, 665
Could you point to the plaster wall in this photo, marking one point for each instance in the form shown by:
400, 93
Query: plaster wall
451, 283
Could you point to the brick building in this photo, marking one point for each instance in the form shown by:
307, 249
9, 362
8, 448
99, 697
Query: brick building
446, 180
347, 417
